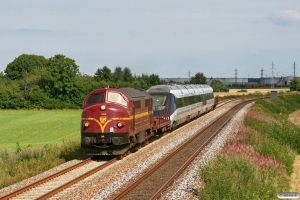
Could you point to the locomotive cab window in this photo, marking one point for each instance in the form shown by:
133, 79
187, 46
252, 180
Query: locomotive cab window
118, 98
159, 99
95, 98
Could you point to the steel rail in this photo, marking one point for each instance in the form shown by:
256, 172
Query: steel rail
76, 180
46, 179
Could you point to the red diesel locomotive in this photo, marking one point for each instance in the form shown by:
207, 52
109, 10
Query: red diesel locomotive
114, 120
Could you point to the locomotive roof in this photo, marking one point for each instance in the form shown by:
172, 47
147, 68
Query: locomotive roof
135, 93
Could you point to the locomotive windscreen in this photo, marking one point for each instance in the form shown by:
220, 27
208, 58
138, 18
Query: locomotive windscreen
159, 99
94, 98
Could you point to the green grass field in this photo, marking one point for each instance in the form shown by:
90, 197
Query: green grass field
36, 128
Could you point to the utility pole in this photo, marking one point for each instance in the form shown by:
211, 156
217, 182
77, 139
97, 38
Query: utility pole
294, 70
235, 76
189, 76
262, 73
272, 84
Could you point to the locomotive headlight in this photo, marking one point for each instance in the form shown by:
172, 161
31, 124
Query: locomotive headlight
119, 125
102, 107
86, 124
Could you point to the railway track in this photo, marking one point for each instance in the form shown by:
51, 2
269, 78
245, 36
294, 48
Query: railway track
57, 182
151, 184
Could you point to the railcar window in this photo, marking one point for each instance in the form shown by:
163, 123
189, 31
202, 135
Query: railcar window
186, 101
193, 99
116, 98
179, 102
95, 98
202, 97
159, 99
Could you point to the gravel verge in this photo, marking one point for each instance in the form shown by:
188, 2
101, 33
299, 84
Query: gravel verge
189, 183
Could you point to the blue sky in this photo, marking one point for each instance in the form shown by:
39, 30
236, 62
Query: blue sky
166, 37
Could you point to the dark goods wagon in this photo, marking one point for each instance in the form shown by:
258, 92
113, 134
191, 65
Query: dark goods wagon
114, 120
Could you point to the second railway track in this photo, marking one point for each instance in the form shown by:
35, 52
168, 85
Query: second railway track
151, 184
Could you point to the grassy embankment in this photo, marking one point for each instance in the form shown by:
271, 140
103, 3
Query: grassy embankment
257, 162
33, 141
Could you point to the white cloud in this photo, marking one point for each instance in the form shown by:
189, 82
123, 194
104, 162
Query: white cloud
286, 17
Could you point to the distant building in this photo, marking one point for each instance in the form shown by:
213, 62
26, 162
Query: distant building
250, 82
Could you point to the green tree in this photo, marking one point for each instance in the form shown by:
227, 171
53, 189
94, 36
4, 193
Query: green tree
199, 78
127, 75
118, 74
84, 84
103, 74
24, 64
9, 93
154, 80
140, 83
31, 80
295, 85
218, 86
58, 81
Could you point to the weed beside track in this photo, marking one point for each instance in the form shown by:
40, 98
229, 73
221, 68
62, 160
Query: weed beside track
257, 162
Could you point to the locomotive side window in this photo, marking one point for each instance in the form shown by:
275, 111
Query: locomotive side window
137, 104
147, 102
95, 98
116, 98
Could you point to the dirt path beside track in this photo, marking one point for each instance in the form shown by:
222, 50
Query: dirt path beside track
295, 117
295, 177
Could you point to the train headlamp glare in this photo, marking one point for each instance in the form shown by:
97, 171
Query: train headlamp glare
86, 124
103, 107
119, 124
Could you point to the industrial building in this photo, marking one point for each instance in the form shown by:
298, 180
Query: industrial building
249, 82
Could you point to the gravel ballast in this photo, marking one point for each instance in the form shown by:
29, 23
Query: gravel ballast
108, 181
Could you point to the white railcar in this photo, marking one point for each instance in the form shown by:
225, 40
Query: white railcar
184, 102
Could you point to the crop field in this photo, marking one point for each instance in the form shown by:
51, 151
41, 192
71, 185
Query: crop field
249, 91
36, 128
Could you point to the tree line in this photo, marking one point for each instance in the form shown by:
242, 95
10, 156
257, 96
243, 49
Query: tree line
34, 82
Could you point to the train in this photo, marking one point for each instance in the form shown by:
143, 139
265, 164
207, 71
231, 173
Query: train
114, 120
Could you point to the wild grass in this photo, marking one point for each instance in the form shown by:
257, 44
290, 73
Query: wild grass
236, 177
28, 162
257, 162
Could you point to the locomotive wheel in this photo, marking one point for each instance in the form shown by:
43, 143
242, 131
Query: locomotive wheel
198, 114
174, 126
120, 157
